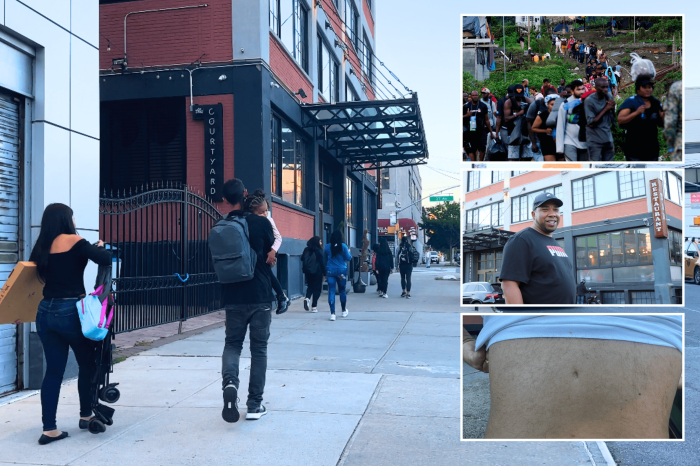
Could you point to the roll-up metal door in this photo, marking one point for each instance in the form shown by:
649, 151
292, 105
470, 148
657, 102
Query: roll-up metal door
9, 227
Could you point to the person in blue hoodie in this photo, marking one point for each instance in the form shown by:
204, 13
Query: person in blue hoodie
337, 255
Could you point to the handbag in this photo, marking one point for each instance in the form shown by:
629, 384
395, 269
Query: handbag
94, 320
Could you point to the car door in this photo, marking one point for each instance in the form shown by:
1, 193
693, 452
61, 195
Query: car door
691, 259
468, 292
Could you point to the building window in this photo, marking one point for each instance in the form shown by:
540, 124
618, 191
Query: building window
289, 20
488, 264
516, 173
522, 205
692, 180
607, 188
386, 180
369, 4
496, 177
484, 217
473, 180
327, 73
367, 62
326, 189
350, 213
620, 256
674, 188
352, 23
350, 94
674, 247
288, 157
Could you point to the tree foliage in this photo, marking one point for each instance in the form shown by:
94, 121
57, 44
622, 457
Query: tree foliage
441, 224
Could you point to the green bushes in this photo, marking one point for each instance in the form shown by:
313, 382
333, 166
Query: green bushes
554, 70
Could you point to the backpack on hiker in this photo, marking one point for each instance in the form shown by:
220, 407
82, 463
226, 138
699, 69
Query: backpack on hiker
405, 255
233, 256
580, 117
309, 262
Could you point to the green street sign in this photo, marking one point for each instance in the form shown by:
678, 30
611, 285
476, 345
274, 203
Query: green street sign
441, 198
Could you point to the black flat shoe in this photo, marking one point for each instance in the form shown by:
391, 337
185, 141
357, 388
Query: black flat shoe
44, 439
83, 424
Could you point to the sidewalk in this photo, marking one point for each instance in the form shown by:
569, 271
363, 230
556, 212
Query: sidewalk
379, 387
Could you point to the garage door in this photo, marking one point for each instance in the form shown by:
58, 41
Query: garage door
9, 228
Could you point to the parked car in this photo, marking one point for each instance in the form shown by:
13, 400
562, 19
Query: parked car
482, 293
690, 257
434, 257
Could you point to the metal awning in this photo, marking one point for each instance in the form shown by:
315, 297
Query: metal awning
487, 238
368, 133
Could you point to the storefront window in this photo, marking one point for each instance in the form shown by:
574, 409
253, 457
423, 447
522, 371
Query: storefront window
288, 156
641, 273
473, 180
692, 180
289, 20
386, 180
326, 189
674, 247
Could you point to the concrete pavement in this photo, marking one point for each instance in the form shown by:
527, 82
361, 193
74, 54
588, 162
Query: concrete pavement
378, 387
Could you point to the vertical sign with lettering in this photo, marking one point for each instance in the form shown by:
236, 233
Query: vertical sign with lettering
658, 208
213, 149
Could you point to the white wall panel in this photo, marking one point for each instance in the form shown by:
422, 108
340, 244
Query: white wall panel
85, 89
2, 11
57, 11
52, 86
85, 20
51, 168
85, 180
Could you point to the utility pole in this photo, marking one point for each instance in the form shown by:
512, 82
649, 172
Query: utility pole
528, 32
504, 49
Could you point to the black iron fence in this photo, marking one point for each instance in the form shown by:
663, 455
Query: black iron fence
162, 270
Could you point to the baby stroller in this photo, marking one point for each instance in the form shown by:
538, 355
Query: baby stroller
101, 388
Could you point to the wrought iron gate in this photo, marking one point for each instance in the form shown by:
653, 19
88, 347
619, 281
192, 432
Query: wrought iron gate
162, 270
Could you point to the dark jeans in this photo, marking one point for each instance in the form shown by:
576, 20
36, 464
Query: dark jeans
580, 300
383, 280
238, 318
58, 326
314, 285
406, 272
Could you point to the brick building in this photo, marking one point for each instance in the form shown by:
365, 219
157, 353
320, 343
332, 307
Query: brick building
304, 116
607, 224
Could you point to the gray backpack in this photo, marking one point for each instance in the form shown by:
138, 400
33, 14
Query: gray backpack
233, 256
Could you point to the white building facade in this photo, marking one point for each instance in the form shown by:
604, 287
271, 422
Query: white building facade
402, 185
49, 145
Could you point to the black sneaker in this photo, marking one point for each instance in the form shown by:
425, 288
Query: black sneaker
257, 413
282, 304
230, 412
403, 295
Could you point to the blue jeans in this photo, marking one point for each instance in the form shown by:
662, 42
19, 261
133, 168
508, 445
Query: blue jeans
580, 300
332, 280
58, 327
238, 318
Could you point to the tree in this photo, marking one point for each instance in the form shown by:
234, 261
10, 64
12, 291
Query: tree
441, 224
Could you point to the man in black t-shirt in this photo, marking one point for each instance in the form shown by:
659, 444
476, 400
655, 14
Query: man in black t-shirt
475, 122
248, 304
536, 270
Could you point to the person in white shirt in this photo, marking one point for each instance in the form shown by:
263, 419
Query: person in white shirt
567, 132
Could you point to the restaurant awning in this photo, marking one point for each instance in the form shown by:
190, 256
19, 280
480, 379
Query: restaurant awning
487, 238
367, 134
406, 226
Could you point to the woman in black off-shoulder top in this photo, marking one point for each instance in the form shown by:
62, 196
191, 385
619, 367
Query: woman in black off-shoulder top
61, 257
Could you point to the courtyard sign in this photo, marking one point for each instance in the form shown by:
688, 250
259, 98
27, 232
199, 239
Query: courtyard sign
213, 149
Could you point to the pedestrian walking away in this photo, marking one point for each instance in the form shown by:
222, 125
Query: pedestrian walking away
535, 268
405, 264
581, 292
337, 254
257, 205
314, 269
248, 301
385, 264
61, 256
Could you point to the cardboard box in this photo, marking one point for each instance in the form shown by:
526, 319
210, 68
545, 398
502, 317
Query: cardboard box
21, 294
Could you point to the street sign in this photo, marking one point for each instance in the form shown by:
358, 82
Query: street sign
441, 198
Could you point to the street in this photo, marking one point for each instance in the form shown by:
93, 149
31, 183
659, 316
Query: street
378, 387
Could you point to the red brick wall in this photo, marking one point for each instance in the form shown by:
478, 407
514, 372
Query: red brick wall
483, 192
623, 209
531, 177
674, 210
166, 37
368, 16
292, 223
288, 70
195, 144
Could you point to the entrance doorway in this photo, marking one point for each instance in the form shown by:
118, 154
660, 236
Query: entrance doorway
488, 266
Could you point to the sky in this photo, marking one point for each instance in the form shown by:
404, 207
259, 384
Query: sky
421, 43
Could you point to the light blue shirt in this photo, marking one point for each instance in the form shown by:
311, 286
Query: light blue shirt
660, 330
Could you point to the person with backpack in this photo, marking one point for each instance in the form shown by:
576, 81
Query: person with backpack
385, 264
239, 245
61, 256
544, 133
405, 264
337, 254
640, 116
600, 115
314, 268
567, 135
257, 205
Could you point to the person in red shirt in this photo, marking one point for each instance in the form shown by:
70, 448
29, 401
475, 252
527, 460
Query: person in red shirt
545, 85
